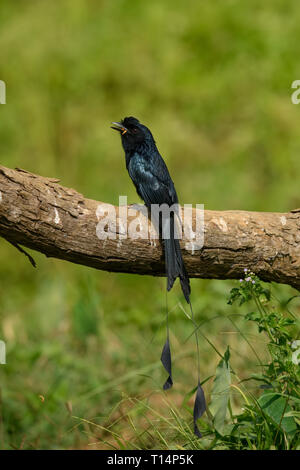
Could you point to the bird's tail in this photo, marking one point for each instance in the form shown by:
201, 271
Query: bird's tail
175, 268
174, 263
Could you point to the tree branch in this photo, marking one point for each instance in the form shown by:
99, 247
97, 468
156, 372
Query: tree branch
40, 214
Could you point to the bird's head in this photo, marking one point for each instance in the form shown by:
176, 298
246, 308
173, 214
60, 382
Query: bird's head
133, 133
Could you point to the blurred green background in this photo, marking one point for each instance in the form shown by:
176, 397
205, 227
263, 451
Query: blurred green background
213, 82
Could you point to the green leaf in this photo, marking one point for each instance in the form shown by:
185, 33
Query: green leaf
252, 316
292, 298
267, 293
220, 393
274, 405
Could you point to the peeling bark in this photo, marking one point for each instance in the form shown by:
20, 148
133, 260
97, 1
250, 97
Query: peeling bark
40, 214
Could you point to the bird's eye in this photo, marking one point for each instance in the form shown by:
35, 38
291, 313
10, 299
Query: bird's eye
134, 130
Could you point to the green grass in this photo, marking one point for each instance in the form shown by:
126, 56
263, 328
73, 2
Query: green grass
258, 412
213, 81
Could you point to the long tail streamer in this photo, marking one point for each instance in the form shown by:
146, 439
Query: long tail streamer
200, 403
175, 268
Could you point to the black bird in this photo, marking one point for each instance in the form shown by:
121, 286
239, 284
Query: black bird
154, 185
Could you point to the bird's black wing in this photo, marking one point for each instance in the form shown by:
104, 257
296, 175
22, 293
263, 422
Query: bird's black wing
152, 180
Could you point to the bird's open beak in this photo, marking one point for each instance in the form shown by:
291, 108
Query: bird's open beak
117, 126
